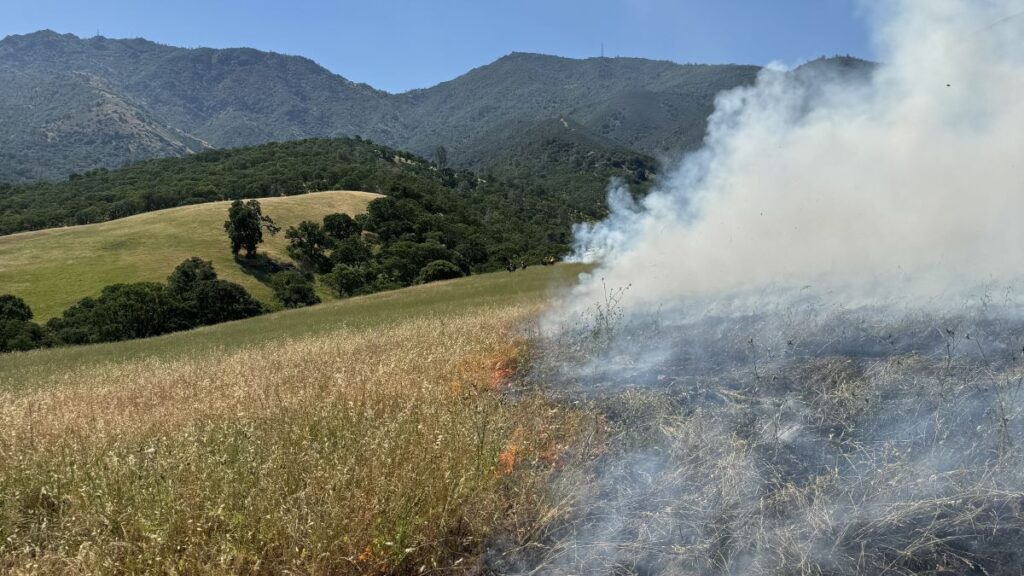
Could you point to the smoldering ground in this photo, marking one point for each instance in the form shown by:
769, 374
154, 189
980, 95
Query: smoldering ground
817, 367
806, 439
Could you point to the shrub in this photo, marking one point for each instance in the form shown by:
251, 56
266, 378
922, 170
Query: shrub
293, 289
14, 308
121, 312
438, 270
346, 280
341, 226
207, 300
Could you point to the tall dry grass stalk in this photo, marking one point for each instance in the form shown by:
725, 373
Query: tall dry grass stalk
350, 452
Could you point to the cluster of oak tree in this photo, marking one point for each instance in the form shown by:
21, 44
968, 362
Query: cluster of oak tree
433, 223
192, 296
395, 243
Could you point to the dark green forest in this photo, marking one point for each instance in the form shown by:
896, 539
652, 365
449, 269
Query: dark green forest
269, 170
526, 212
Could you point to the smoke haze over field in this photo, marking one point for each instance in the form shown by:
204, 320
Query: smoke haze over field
910, 181
871, 424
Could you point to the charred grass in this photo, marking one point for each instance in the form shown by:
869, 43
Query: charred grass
815, 443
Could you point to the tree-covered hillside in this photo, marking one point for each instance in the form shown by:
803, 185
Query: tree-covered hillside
564, 158
651, 106
70, 104
269, 170
432, 223
551, 182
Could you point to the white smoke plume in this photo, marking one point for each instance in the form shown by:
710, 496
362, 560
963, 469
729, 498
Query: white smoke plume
809, 372
911, 182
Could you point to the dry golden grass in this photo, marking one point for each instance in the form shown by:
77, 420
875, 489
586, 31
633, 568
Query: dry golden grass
342, 452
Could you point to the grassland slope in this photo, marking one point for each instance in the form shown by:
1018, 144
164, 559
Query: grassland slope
533, 286
52, 269
364, 436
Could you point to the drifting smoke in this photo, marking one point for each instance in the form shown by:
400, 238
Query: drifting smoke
912, 180
795, 381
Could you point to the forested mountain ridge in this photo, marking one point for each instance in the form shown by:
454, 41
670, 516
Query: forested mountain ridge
651, 106
70, 104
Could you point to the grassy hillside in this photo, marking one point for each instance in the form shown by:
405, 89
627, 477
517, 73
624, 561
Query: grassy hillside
52, 269
532, 286
363, 436
553, 177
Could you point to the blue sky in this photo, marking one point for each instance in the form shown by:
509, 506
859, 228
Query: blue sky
396, 45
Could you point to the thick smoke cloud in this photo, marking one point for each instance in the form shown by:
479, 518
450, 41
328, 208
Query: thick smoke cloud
810, 372
908, 182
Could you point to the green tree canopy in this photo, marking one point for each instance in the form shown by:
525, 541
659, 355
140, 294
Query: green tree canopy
219, 301
293, 289
17, 335
341, 226
17, 331
308, 243
347, 280
14, 308
121, 312
193, 296
245, 225
205, 299
439, 270
351, 251
190, 274
441, 157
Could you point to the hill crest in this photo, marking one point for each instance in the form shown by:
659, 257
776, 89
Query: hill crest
175, 101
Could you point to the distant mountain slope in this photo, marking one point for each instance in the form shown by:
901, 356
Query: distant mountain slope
651, 106
69, 104
57, 117
561, 146
559, 157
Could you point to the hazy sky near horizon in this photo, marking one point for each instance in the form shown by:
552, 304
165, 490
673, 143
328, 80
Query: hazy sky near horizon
404, 44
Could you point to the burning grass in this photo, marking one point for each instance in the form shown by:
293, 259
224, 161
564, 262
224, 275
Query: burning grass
350, 451
813, 441
795, 441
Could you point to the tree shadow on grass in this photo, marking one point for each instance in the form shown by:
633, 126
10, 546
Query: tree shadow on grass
263, 267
